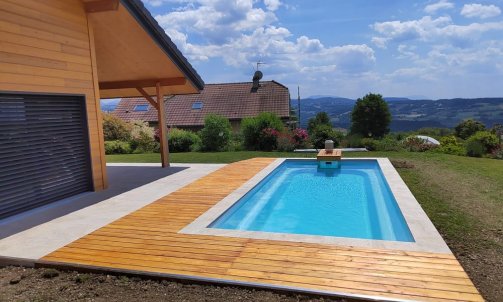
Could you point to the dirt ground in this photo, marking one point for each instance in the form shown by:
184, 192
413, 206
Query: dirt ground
44, 285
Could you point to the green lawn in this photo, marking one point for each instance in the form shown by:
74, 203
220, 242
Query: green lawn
461, 195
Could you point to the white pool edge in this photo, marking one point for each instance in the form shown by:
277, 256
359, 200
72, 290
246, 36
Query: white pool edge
426, 236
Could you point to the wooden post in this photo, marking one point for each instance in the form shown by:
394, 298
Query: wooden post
161, 117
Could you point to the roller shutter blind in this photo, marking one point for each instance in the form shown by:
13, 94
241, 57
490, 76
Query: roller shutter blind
44, 150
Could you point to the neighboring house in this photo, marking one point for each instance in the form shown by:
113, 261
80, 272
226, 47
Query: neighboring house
57, 59
235, 101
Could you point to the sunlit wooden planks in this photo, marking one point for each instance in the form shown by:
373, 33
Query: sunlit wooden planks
147, 240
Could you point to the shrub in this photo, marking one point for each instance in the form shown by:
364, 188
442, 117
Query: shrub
252, 129
497, 153
487, 139
182, 140
268, 139
475, 149
389, 143
369, 143
216, 133
469, 127
416, 144
300, 137
115, 129
450, 145
323, 133
142, 137
352, 141
236, 142
117, 147
285, 142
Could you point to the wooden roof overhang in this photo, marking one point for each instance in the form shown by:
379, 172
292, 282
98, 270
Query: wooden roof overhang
134, 54
134, 57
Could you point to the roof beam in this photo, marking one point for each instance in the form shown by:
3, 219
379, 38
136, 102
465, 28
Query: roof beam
143, 83
148, 97
101, 6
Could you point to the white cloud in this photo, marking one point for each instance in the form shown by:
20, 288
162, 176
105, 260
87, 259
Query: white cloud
441, 5
398, 31
428, 29
217, 21
480, 11
407, 52
240, 34
272, 5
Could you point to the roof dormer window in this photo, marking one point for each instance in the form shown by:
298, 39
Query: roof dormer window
197, 105
138, 108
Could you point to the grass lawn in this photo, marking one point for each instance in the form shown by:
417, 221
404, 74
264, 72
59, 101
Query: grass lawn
461, 195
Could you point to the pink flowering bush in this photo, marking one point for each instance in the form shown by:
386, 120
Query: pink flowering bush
268, 139
300, 137
286, 143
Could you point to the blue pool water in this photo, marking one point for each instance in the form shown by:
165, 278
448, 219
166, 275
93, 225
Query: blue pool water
299, 198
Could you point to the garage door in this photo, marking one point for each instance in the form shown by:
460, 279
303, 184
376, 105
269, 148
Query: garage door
44, 150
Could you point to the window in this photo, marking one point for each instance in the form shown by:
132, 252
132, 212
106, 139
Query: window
141, 108
197, 105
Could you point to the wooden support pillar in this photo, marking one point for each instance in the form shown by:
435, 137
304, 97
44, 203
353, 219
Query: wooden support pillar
161, 117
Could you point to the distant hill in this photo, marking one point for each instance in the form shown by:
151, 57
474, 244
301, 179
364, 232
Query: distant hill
109, 104
408, 114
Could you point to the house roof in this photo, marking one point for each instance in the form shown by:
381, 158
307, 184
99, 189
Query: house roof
132, 50
142, 14
232, 100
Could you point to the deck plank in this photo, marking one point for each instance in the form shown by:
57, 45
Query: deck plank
148, 240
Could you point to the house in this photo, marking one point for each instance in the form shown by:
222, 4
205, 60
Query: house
57, 59
235, 101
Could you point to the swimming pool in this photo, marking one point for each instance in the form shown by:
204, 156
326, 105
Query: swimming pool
297, 197
366, 204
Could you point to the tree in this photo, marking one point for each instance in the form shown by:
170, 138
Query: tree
216, 133
370, 116
468, 127
321, 118
323, 133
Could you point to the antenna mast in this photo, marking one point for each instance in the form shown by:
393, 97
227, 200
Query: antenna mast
298, 102
259, 63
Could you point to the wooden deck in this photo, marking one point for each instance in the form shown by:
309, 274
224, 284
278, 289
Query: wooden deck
147, 240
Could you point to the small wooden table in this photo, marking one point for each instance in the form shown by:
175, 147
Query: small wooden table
325, 155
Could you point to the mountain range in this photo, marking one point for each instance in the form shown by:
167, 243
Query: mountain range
408, 114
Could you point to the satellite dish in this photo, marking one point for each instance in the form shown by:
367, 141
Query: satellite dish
257, 75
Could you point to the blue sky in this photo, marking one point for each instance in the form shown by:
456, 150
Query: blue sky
432, 48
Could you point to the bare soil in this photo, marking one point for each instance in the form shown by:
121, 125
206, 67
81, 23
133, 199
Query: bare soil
44, 285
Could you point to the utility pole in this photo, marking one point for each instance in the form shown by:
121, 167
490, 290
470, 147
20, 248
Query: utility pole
298, 102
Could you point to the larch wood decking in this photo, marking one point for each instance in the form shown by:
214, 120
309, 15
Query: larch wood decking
147, 240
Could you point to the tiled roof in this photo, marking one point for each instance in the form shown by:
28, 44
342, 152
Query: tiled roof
125, 110
232, 100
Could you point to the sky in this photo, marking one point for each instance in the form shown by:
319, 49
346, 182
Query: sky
420, 49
